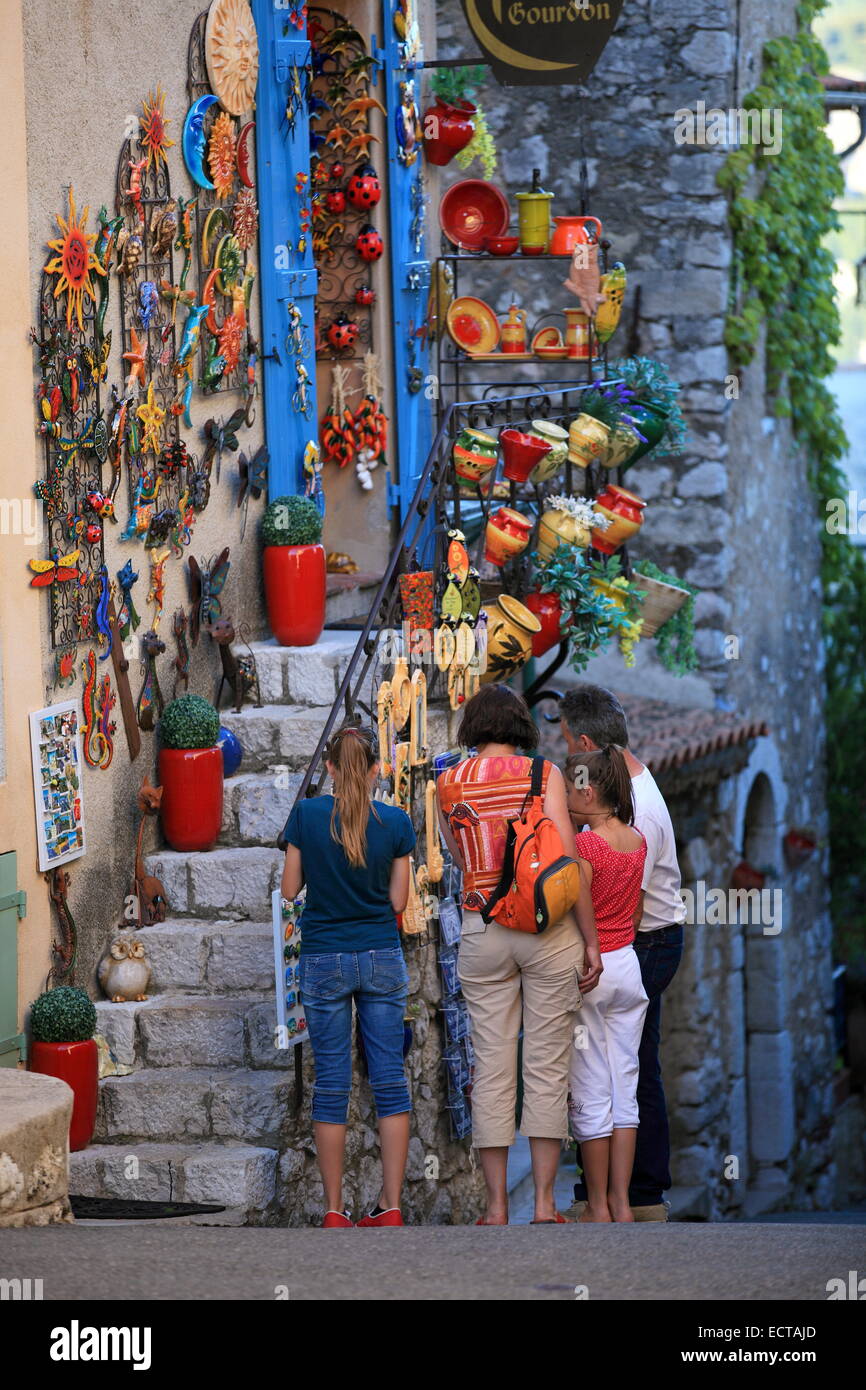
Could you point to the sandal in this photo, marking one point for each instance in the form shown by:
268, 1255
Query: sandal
557, 1220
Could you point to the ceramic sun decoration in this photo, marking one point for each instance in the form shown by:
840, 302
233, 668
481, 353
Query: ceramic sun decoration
232, 55
74, 262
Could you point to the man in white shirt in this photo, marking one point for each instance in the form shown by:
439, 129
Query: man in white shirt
592, 717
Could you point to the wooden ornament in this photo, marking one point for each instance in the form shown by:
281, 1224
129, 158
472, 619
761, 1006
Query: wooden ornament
418, 749
401, 693
402, 777
414, 917
435, 862
444, 645
385, 724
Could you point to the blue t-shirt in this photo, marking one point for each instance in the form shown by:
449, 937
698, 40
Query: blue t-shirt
348, 909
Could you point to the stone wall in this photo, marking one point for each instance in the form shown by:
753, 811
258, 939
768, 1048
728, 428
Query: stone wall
733, 516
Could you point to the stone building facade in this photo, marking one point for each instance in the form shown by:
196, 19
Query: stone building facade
748, 1045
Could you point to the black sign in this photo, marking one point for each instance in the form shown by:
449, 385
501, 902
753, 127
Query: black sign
539, 44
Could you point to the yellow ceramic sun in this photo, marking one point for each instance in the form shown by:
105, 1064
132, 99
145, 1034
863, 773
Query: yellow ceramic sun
74, 262
154, 128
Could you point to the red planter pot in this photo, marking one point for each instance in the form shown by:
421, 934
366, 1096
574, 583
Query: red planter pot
451, 128
548, 610
76, 1063
295, 583
192, 796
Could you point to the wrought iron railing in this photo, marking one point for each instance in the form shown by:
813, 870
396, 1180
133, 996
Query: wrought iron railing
441, 502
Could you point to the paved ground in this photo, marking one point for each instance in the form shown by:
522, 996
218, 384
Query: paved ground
646, 1262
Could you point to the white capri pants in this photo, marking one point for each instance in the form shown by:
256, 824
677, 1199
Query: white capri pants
604, 1055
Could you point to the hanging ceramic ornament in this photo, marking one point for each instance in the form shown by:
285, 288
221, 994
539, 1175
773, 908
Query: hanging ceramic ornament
451, 603
444, 644
401, 692
457, 559
385, 725
231, 50
418, 749
471, 597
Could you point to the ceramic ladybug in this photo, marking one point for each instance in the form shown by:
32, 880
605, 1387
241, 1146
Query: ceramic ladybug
364, 295
369, 244
342, 332
364, 189
335, 201
337, 170
93, 533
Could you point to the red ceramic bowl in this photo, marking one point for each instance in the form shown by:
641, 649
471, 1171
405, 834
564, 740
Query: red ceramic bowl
533, 250
501, 245
471, 211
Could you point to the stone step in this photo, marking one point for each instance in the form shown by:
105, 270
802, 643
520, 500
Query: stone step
217, 958
195, 1030
224, 884
173, 1104
302, 675
256, 807
349, 594
240, 1177
284, 737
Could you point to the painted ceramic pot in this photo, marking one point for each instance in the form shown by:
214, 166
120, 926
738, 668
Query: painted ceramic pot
560, 528
548, 610
510, 630
295, 591
578, 335
588, 441
474, 455
610, 592
624, 510
626, 447
451, 126
76, 1063
569, 232
557, 439
506, 535
521, 453
533, 218
192, 797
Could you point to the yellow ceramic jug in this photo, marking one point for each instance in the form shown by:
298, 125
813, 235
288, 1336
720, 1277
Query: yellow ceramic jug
514, 330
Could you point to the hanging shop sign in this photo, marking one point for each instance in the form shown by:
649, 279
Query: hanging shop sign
541, 44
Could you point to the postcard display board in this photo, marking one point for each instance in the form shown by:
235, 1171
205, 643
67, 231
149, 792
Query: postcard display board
55, 742
291, 1024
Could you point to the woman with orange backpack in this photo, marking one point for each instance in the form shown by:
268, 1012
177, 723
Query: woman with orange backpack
529, 973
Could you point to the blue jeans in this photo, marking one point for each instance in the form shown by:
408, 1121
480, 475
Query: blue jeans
378, 982
659, 954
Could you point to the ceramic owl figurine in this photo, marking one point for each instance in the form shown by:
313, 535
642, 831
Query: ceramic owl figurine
124, 971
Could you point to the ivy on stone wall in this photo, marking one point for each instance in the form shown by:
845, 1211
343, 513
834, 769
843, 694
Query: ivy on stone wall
781, 211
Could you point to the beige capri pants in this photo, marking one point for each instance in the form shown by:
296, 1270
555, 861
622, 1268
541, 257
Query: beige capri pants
509, 977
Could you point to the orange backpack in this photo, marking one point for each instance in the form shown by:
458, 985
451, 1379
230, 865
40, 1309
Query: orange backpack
539, 883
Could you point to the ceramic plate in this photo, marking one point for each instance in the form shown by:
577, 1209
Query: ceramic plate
473, 325
471, 211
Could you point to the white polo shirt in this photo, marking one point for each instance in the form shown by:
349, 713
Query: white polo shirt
663, 905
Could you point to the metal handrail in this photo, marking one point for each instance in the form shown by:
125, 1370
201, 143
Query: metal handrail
430, 491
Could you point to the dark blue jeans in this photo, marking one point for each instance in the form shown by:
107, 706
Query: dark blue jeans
659, 953
378, 982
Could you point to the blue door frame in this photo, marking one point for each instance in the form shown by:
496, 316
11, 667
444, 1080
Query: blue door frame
289, 277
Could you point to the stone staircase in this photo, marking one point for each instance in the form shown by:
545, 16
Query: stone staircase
204, 1111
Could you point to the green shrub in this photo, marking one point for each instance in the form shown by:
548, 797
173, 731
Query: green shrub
291, 521
64, 1014
189, 722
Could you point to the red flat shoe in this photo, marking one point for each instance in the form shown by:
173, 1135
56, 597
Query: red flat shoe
391, 1217
337, 1221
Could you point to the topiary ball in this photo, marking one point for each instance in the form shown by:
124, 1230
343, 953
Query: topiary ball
232, 751
189, 722
65, 1014
291, 521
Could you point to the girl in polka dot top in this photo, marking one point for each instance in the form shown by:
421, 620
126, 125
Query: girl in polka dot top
604, 1065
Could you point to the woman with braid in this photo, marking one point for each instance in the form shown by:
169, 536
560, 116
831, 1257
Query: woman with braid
353, 855
604, 1061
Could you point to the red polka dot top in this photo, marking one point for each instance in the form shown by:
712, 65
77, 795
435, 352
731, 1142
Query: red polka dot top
615, 889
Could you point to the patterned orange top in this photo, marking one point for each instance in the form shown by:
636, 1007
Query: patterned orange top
478, 797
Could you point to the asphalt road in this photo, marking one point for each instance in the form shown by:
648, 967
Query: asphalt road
642, 1262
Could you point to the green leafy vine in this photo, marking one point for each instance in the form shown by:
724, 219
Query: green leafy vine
781, 211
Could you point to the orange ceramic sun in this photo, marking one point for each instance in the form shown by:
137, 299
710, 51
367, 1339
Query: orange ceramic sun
230, 339
154, 128
74, 262
221, 154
